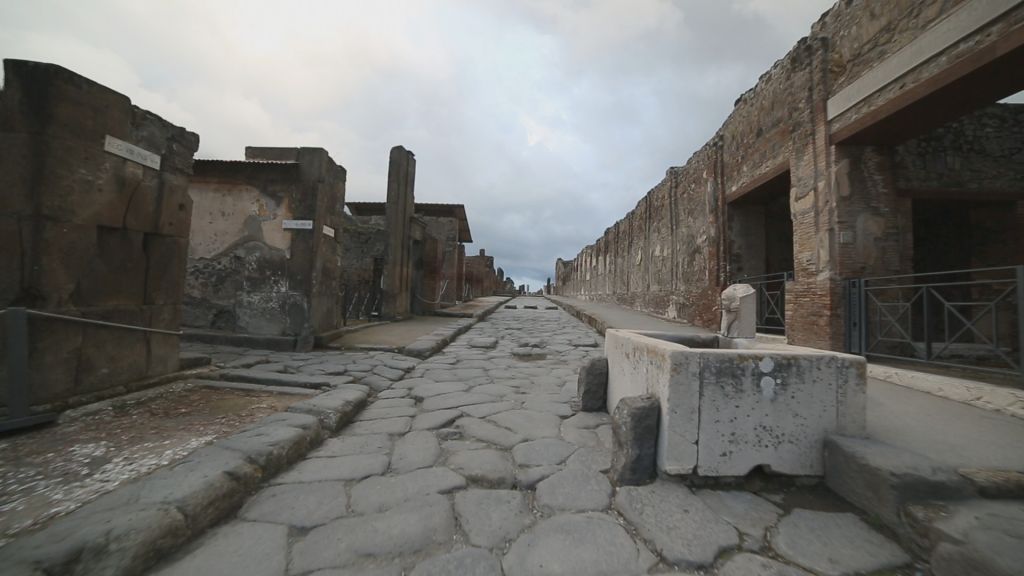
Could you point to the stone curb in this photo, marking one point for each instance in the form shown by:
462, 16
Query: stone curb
131, 528
426, 346
588, 319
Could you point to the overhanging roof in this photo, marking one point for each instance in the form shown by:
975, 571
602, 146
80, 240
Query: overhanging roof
457, 211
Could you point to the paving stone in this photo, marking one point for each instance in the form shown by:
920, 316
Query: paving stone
455, 400
272, 447
401, 364
389, 373
680, 526
543, 452
529, 476
593, 459
415, 450
383, 492
435, 420
373, 413
488, 408
412, 382
834, 544
355, 467
483, 342
359, 367
411, 527
392, 403
588, 420
573, 490
488, 432
454, 374
580, 437
460, 445
431, 389
386, 426
350, 445
487, 468
745, 564
466, 562
495, 389
239, 548
492, 517
576, 545
749, 513
557, 408
393, 393
375, 571
299, 505
528, 353
377, 383
529, 424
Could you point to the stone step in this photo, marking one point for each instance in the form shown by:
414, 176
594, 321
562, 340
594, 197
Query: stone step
190, 360
977, 537
278, 379
882, 480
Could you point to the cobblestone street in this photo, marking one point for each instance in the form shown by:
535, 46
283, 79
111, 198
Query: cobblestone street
475, 462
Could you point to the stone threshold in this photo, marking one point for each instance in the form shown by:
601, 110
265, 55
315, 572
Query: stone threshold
129, 529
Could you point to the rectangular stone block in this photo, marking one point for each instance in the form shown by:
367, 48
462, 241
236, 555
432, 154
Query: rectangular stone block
112, 356
166, 257
54, 353
10, 259
116, 275
164, 349
60, 254
174, 209
729, 406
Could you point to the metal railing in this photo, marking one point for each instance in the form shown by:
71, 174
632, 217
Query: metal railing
360, 304
962, 318
771, 300
18, 397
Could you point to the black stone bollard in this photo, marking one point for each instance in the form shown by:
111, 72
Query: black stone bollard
592, 386
635, 435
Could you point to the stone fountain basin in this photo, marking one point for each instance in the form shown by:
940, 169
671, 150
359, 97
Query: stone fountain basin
730, 405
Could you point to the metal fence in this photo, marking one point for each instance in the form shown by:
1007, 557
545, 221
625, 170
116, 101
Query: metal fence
360, 303
771, 300
961, 318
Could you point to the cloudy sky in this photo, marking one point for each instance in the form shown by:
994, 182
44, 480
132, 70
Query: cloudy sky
548, 119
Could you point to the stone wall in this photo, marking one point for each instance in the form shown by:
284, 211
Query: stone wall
445, 263
363, 245
89, 233
825, 117
481, 278
247, 272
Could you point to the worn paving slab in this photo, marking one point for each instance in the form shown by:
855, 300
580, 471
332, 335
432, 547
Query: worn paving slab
475, 462
835, 544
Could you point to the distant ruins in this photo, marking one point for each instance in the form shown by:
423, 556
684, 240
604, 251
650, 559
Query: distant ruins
876, 147
111, 228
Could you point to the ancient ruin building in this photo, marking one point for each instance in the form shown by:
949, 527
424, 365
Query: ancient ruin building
877, 146
94, 223
439, 264
264, 252
481, 277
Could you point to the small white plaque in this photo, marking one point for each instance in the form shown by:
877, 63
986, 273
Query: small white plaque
297, 224
131, 152
328, 231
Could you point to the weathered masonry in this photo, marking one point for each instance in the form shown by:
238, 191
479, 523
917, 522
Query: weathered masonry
438, 263
264, 256
94, 225
876, 147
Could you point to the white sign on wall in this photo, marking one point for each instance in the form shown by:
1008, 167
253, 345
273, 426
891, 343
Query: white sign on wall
297, 224
131, 152
328, 231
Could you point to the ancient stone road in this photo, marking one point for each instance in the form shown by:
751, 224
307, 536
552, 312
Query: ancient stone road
476, 463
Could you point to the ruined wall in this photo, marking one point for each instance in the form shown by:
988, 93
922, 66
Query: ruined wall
88, 233
247, 273
446, 261
481, 277
847, 217
363, 244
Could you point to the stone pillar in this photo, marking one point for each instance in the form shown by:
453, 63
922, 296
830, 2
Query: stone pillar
397, 268
460, 273
94, 223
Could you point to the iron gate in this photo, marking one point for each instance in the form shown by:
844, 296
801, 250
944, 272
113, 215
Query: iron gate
771, 300
962, 318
